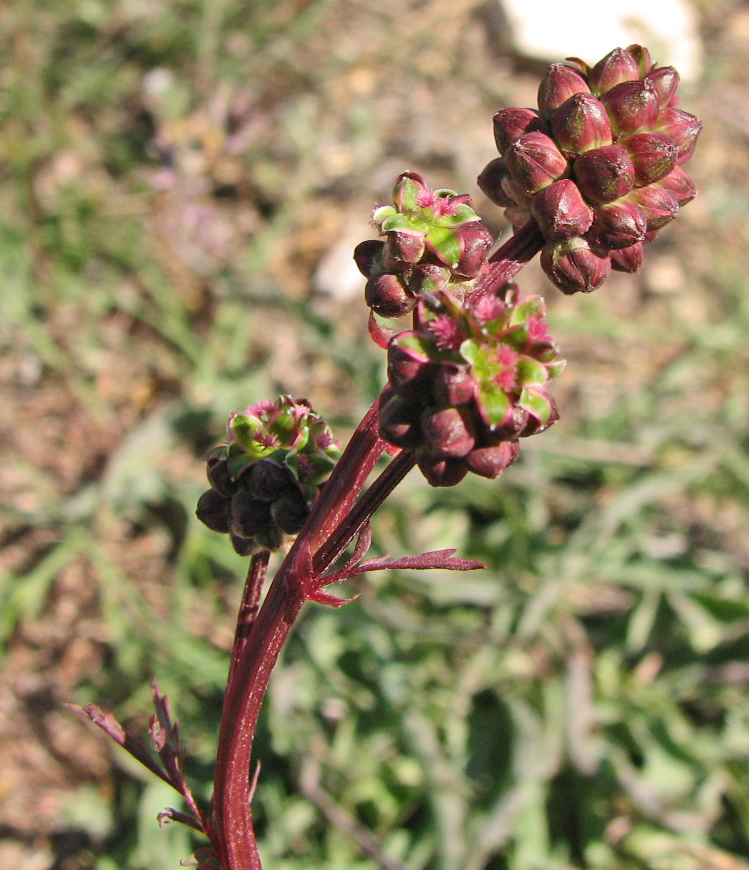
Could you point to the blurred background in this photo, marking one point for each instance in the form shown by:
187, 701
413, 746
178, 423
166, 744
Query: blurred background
183, 183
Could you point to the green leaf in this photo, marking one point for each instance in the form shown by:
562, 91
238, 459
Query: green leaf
382, 213
245, 429
420, 347
413, 224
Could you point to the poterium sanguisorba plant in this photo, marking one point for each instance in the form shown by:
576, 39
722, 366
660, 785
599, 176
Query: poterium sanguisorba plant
587, 179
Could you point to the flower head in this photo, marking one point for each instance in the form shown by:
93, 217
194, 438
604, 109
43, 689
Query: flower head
267, 473
599, 166
470, 381
433, 238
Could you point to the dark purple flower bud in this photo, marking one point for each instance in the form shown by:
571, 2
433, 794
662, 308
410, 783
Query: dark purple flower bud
683, 128
453, 386
491, 461
244, 546
428, 278
665, 80
218, 475
213, 511
476, 240
604, 174
632, 106
657, 204
581, 124
270, 539
628, 259
535, 161
618, 66
448, 432
399, 422
368, 256
515, 191
266, 481
642, 56
574, 266
490, 182
679, 185
409, 376
290, 512
653, 155
441, 471
560, 211
559, 84
249, 515
386, 295
618, 224
403, 250
511, 124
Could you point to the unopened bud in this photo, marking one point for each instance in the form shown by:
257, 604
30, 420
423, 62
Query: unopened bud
368, 256
266, 481
580, 124
535, 161
399, 422
476, 241
683, 128
573, 265
386, 295
511, 124
403, 250
491, 461
618, 66
653, 155
604, 174
428, 278
632, 106
490, 182
213, 511
290, 512
409, 376
448, 432
629, 259
665, 80
618, 224
441, 471
657, 204
642, 56
249, 515
218, 475
453, 386
679, 185
560, 211
559, 84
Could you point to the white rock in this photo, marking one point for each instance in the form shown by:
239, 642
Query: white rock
589, 29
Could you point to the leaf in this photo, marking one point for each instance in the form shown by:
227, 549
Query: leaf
530, 306
535, 403
531, 372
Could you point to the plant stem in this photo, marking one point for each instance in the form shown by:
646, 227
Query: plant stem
508, 260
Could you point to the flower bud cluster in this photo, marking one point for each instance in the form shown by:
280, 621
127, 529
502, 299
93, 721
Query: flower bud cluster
433, 240
267, 474
599, 165
468, 382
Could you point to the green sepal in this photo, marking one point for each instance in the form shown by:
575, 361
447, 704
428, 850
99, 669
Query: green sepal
446, 244
556, 368
535, 403
414, 224
421, 348
382, 213
463, 214
494, 403
245, 429
530, 372
532, 305
406, 193
238, 464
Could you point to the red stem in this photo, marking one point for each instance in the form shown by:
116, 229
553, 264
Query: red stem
336, 517
508, 260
